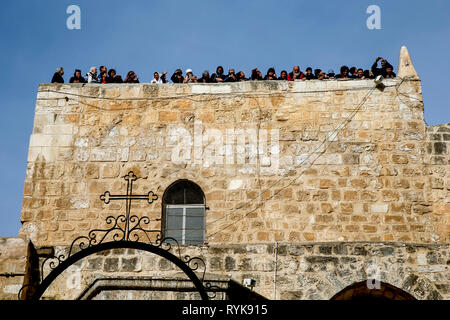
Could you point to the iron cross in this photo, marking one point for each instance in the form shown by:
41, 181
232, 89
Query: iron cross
129, 178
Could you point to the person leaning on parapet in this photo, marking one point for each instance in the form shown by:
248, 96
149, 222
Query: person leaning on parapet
309, 75
57, 76
331, 75
322, 75
190, 77
131, 77
103, 74
380, 71
205, 77
177, 76
219, 76
353, 73
92, 75
295, 74
389, 74
283, 75
159, 78
77, 78
256, 75
360, 74
270, 75
103, 77
368, 74
344, 73
113, 77
241, 76
231, 77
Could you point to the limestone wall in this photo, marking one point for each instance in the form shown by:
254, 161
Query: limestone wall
315, 271
314, 161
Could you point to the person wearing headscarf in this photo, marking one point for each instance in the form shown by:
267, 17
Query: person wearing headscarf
219, 76
77, 78
270, 74
57, 76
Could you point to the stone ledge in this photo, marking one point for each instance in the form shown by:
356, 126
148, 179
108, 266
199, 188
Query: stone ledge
152, 90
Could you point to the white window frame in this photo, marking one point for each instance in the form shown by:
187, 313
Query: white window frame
184, 207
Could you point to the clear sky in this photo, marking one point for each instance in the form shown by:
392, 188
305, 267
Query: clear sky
162, 35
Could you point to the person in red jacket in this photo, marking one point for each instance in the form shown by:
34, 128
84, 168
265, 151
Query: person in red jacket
295, 74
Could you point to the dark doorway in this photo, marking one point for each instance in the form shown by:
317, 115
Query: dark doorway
360, 291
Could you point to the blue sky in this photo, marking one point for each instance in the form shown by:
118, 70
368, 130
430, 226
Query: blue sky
156, 35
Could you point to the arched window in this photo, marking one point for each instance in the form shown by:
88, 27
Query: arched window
184, 212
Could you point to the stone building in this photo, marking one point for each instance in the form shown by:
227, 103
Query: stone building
286, 190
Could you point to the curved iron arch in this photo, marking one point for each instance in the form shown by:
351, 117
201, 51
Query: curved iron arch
184, 266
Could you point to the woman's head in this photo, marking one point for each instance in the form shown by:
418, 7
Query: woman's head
344, 70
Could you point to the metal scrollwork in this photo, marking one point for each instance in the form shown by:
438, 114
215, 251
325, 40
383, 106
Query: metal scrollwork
211, 290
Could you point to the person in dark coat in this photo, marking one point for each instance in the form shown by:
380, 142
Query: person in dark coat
113, 77
231, 77
344, 73
256, 74
77, 78
353, 74
219, 76
241, 76
271, 75
205, 77
317, 73
283, 75
131, 78
380, 71
177, 76
389, 74
368, 74
309, 75
57, 76
331, 75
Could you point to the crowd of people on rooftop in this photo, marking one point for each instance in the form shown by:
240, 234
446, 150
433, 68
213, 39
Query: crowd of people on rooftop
110, 76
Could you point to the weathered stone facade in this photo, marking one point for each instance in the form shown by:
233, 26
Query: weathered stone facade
322, 167
304, 271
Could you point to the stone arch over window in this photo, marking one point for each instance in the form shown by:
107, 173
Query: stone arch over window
360, 291
184, 212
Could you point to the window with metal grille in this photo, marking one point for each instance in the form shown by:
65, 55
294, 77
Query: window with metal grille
184, 213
